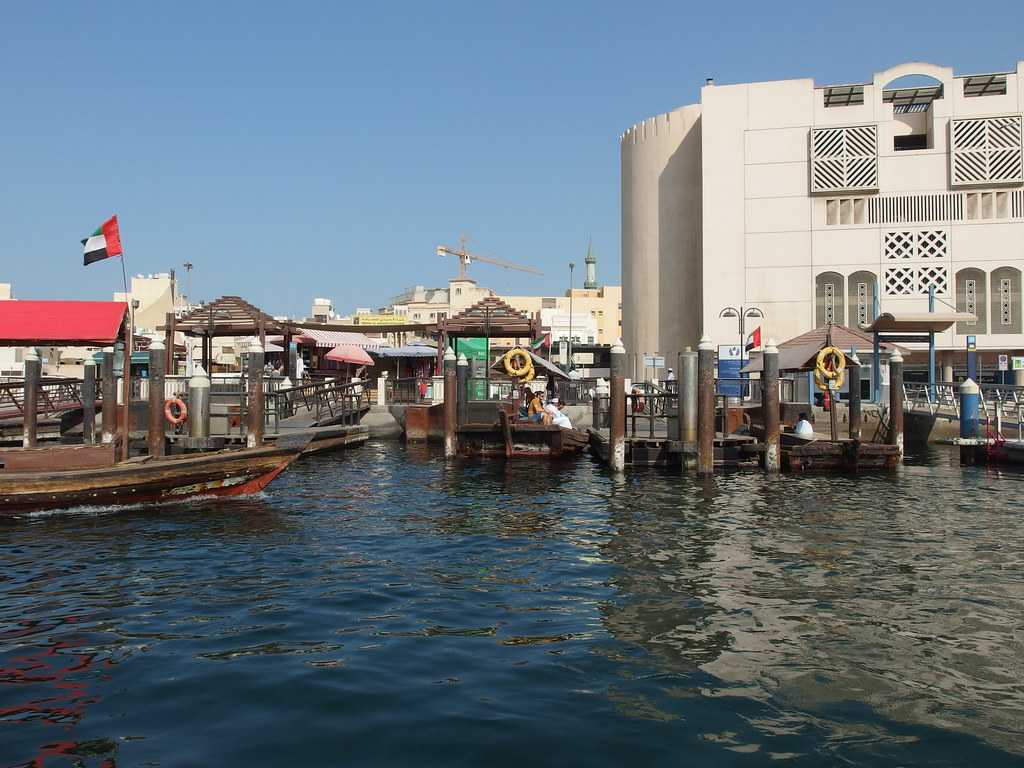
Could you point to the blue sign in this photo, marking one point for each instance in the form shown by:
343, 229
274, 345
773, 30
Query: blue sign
729, 359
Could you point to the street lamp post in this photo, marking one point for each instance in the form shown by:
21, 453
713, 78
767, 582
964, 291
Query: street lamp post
568, 363
741, 313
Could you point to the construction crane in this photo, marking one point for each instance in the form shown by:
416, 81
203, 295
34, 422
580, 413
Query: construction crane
465, 257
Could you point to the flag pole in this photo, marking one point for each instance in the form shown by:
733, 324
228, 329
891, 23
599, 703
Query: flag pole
126, 374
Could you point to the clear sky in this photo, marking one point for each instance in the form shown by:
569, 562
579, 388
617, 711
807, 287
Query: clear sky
293, 150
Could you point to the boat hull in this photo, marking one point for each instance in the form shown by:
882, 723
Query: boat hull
178, 478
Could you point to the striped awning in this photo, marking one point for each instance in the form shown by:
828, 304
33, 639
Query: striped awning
332, 339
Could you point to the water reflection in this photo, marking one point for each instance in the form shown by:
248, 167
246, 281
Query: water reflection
386, 603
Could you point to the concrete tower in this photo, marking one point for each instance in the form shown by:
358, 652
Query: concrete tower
591, 281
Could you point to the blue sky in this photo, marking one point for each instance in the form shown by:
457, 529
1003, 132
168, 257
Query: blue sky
325, 149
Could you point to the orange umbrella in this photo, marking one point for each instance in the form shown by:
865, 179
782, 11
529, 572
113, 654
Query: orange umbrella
349, 353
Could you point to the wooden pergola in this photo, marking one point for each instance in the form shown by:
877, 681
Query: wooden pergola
226, 316
489, 318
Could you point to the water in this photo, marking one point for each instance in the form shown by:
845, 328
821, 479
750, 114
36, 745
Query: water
378, 607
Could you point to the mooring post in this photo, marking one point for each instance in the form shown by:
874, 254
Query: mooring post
770, 373
30, 399
969, 401
896, 401
108, 387
199, 404
451, 445
89, 401
155, 438
853, 383
255, 410
688, 396
462, 385
705, 408
617, 409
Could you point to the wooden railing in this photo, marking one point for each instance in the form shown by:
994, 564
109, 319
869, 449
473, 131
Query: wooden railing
332, 399
55, 396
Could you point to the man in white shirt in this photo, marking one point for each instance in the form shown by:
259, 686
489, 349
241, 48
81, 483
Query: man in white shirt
803, 427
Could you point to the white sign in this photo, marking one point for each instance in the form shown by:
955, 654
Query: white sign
1004, 362
729, 352
1017, 363
654, 361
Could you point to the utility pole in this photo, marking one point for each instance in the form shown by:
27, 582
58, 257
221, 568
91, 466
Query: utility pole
188, 280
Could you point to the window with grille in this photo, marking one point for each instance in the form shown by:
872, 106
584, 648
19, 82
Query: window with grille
1005, 311
844, 159
830, 303
986, 150
916, 244
862, 303
971, 298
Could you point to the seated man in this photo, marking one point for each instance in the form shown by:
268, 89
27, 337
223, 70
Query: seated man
535, 410
554, 415
803, 427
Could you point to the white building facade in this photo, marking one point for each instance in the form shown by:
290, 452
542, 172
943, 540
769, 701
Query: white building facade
808, 202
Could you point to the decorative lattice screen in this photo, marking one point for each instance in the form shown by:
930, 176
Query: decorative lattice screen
844, 159
986, 150
911, 281
916, 244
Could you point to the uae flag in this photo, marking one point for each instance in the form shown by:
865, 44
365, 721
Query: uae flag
103, 243
753, 339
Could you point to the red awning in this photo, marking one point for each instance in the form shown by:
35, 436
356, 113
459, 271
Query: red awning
61, 323
349, 353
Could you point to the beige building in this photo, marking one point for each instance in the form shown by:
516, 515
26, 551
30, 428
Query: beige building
809, 201
157, 295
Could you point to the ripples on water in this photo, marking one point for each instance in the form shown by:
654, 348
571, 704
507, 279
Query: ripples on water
382, 607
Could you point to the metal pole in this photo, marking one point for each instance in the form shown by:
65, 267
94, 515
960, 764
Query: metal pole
155, 434
688, 396
108, 423
706, 408
89, 402
255, 405
853, 374
462, 385
568, 362
931, 347
199, 405
969, 392
770, 384
896, 401
30, 399
126, 386
617, 406
876, 359
451, 445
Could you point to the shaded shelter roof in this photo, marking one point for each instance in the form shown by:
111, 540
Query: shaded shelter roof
62, 323
538, 361
492, 318
334, 339
919, 322
228, 316
409, 350
800, 353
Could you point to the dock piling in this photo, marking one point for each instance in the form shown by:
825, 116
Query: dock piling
770, 407
199, 405
89, 401
155, 438
853, 383
969, 399
108, 424
705, 408
462, 385
688, 396
254, 398
450, 404
896, 402
617, 408
30, 401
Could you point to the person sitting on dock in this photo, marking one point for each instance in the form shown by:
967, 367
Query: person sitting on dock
535, 408
803, 427
553, 415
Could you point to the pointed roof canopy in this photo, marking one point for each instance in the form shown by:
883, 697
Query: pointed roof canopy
492, 318
228, 316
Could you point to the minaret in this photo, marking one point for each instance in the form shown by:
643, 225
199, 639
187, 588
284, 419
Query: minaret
591, 282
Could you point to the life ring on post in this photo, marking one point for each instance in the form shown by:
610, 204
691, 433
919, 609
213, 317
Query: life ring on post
831, 362
519, 364
175, 419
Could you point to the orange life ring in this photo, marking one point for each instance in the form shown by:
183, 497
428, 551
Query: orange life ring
175, 402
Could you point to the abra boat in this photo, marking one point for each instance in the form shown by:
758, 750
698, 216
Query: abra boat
519, 439
27, 485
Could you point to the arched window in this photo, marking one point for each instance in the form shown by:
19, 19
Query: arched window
861, 298
828, 299
970, 297
1004, 288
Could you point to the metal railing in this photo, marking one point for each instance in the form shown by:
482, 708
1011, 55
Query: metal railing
55, 396
414, 389
332, 399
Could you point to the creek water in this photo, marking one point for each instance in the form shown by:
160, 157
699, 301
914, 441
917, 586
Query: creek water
383, 607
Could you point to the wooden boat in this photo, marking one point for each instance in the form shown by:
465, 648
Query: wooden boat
518, 439
58, 478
